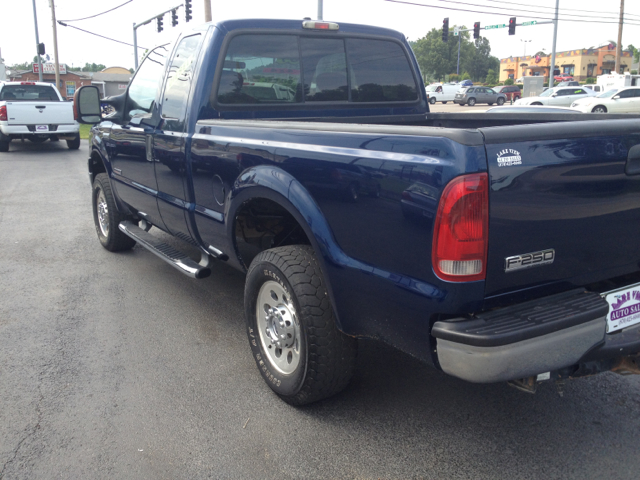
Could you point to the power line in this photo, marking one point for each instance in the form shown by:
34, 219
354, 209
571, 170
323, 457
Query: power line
98, 14
561, 8
599, 19
503, 14
98, 35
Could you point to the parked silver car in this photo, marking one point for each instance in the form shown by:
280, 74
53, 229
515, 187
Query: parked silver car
472, 95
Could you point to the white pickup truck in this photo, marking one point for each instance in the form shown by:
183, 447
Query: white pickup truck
35, 111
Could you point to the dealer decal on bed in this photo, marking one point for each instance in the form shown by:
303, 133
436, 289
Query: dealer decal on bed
509, 157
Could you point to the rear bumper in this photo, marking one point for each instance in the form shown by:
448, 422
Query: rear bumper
16, 131
536, 337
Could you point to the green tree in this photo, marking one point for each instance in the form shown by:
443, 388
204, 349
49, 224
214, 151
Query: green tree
478, 59
437, 58
466, 76
491, 79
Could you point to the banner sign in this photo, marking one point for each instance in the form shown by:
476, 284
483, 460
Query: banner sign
50, 68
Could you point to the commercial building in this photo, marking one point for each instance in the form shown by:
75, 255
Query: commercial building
581, 64
69, 81
112, 81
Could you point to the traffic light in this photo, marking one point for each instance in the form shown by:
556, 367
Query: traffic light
159, 19
174, 18
445, 29
512, 26
476, 30
41, 49
187, 9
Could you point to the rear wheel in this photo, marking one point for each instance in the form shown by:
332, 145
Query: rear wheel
107, 217
599, 109
432, 100
501, 101
74, 144
291, 326
471, 102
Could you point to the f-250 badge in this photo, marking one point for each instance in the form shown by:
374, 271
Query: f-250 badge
528, 260
509, 157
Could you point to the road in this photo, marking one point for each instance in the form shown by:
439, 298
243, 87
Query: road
117, 366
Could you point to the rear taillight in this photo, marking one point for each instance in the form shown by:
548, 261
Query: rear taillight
3, 113
461, 232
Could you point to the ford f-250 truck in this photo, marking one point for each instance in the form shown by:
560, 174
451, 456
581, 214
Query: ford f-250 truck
37, 112
494, 247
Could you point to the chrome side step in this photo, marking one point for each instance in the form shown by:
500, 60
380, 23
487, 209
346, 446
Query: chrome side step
166, 252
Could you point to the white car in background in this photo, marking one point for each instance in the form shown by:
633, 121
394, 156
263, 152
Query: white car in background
557, 97
616, 100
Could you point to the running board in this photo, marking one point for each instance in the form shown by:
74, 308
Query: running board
166, 252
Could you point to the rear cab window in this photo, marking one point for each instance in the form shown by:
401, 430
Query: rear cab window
298, 69
29, 93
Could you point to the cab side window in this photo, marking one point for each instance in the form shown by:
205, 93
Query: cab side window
176, 90
144, 87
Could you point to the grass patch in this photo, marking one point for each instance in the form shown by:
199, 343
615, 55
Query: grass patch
84, 131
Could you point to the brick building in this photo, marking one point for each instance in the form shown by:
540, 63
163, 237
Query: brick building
69, 81
581, 64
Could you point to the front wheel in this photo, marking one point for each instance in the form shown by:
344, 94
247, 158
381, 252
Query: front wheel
471, 102
444, 103
432, 100
599, 109
291, 326
107, 217
500, 101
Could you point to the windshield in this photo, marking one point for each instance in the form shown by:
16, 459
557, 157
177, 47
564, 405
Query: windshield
498, 89
546, 93
432, 88
608, 93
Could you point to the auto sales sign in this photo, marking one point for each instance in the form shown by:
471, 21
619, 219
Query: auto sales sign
49, 68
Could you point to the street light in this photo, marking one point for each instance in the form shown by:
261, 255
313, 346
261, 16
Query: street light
525, 46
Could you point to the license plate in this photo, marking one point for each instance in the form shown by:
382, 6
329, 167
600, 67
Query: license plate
42, 128
624, 308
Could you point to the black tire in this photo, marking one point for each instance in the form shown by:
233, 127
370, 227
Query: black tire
4, 146
289, 280
432, 100
106, 217
461, 104
38, 138
536, 103
599, 109
444, 103
471, 102
490, 104
500, 101
74, 144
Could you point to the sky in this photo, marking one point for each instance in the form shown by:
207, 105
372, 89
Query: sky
599, 23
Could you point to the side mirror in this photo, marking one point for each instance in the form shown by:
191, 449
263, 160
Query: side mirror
86, 105
616, 97
554, 95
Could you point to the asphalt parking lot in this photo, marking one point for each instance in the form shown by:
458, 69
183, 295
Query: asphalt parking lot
117, 366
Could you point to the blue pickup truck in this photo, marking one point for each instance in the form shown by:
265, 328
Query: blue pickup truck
495, 247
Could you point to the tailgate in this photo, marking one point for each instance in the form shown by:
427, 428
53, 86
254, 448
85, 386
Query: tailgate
39, 113
569, 195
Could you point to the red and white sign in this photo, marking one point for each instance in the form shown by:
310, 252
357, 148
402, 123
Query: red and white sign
50, 68
122, 87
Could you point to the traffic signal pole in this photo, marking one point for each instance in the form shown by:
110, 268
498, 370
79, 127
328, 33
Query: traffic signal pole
552, 65
146, 22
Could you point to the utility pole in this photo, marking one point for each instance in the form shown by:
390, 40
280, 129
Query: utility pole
55, 43
207, 10
319, 9
35, 22
552, 65
619, 45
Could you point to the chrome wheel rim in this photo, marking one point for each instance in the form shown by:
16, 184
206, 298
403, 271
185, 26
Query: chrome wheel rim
103, 214
278, 327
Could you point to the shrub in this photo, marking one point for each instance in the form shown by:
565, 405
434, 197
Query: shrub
454, 77
508, 81
590, 81
634, 72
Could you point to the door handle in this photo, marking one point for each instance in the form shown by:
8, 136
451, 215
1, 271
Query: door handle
633, 161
